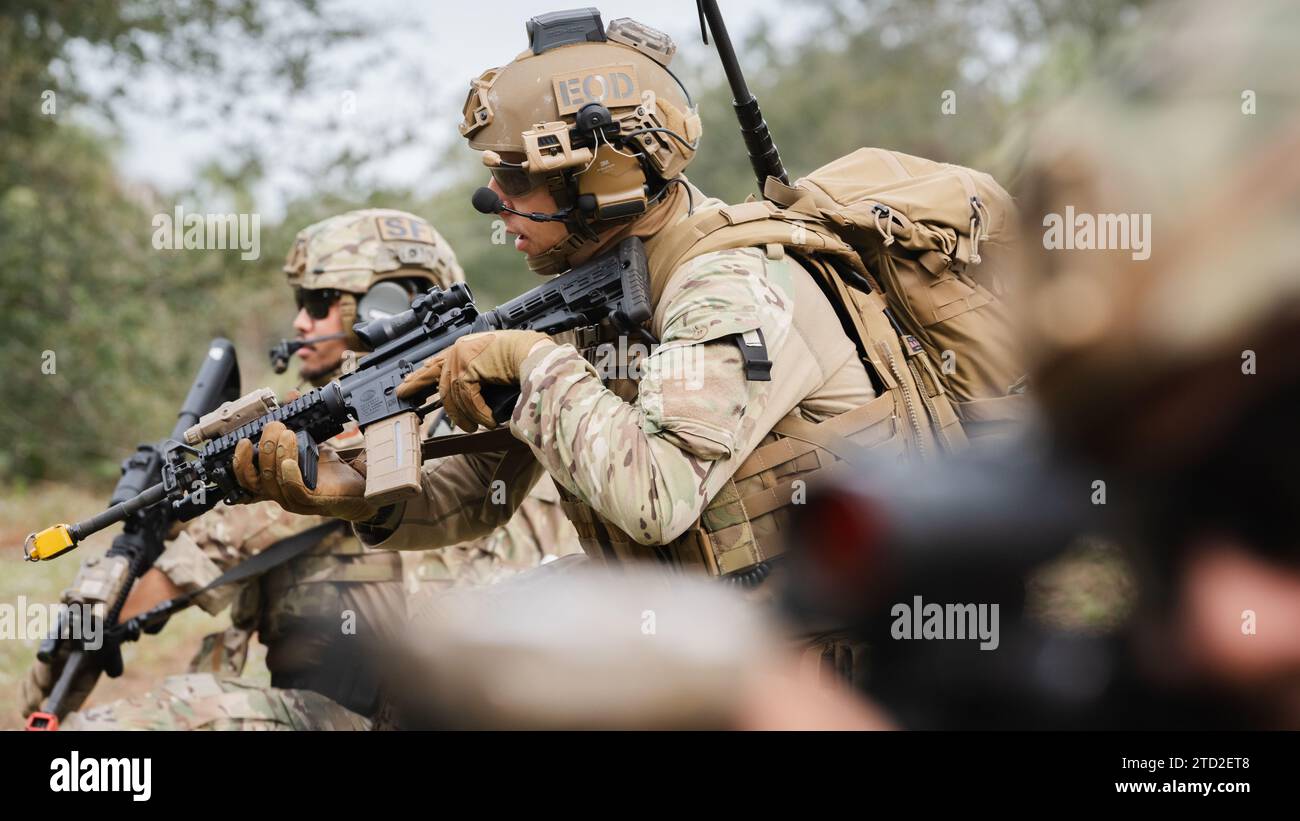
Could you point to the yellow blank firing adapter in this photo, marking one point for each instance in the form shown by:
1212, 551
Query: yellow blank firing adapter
48, 543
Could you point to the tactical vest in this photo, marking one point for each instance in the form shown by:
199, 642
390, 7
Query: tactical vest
318, 584
747, 522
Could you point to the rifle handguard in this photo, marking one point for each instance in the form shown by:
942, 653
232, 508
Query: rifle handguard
231, 415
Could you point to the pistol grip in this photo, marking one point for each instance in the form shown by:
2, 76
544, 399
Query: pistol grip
501, 399
308, 456
393, 459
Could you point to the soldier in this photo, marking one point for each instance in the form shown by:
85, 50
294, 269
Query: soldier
1168, 364
688, 458
347, 267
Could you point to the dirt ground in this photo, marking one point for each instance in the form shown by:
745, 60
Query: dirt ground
146, 661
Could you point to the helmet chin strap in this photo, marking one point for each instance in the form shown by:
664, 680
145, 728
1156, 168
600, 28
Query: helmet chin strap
556, 259
348, 317
577, 248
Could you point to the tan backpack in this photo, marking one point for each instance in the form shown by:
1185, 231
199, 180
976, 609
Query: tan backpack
917, 231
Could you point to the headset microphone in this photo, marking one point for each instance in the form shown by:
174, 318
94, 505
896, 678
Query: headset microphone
486, 201
283, 351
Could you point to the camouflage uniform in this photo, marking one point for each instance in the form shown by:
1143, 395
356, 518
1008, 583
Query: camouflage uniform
675, 463
339, 578
203, 701
649, 463
647, 466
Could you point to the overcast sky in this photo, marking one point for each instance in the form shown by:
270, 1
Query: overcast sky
420, 75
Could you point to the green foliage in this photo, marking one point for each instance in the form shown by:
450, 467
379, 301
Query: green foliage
103, 331
877, 72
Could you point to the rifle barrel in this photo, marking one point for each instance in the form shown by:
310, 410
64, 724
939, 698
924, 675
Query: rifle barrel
118, 513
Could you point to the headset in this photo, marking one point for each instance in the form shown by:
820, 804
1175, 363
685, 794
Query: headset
623, 183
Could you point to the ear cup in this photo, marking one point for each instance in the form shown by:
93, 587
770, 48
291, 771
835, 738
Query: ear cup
384, 299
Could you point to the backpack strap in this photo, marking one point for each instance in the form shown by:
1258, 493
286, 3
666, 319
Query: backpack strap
749, 224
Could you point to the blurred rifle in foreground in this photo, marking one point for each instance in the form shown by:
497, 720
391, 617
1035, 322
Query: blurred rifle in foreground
914, 559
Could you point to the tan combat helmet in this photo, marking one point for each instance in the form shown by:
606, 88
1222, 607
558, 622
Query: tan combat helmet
593, 113
570, 646
1169, 196
353, 252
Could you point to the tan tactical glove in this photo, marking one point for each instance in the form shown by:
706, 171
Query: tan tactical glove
340, 486
493, 357
98, 582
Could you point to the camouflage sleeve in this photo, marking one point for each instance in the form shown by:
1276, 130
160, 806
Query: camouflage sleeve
222, 538
464, 497
650, 467
537, 531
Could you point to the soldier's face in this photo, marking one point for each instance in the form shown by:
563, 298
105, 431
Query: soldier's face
319, 358
531, 238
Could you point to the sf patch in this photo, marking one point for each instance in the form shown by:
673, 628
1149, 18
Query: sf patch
404, 229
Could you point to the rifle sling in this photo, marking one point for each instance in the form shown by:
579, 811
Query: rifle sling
277, 554
497, 439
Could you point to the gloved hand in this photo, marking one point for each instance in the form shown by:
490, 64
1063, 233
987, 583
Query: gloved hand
340, 486
99, 581
493, 357
39, 681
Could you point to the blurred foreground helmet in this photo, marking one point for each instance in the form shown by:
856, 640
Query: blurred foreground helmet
569, 646
592, 113
1164, 297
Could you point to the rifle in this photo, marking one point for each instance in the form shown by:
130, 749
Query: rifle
141, 539
198, 474
763, 156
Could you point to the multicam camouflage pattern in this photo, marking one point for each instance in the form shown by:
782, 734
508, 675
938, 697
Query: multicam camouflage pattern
202, 701
99, 580
222, 654
341, 574
338, 575
537, 532
689, 425
351, 252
